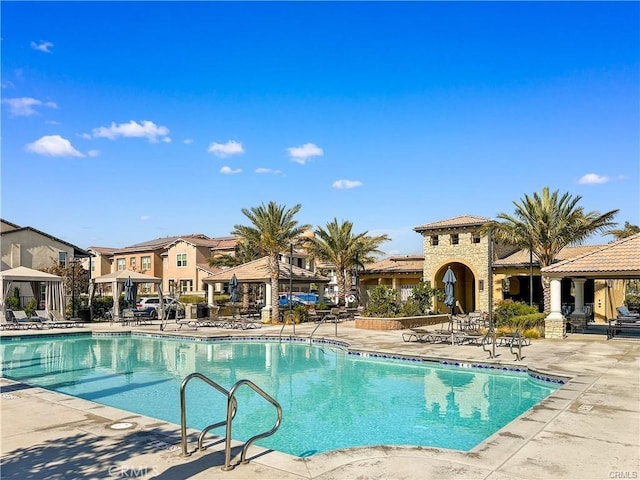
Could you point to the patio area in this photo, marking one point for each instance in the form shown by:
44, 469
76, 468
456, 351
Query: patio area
588, 429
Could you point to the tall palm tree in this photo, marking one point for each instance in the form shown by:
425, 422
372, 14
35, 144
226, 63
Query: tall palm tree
338, 245
243, 253
545, 223
628, 230
273, 229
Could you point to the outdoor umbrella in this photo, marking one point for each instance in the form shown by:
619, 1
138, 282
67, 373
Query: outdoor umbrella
449, 297
233, 288
129, 291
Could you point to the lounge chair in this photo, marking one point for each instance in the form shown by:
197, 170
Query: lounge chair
626, 316
23, 321
59, 321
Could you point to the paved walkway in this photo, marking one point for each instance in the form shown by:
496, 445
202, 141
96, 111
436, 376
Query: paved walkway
588, 429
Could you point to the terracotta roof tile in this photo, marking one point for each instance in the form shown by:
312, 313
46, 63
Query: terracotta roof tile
615, 259
397, 264
461, 221
258, 271
521, 257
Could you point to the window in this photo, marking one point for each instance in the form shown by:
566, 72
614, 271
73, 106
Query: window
121, 264
186, 285
455, 239
145, 263
434, 240
475, 238
132, 263
146, 288
62, 259
481, 285
181, 260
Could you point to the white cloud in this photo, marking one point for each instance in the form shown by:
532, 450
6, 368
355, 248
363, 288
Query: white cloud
223, 150
188, 141
146, 129
229, 171
42, 46
144, 218
93, 153
266, 170
24, 106
304, 152
593, 178
346, 184
7, 84
53, 146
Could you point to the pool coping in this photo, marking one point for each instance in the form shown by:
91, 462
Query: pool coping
486, 457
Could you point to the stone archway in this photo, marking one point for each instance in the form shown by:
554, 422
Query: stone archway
465, 289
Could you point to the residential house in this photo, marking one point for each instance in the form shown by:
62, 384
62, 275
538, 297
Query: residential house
33, 248
400, 272
180, 261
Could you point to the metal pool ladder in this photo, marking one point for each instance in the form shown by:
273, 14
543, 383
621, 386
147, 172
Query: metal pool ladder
232, 407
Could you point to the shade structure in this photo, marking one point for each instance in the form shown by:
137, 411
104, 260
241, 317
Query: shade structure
117, 281
233, 288
54, 289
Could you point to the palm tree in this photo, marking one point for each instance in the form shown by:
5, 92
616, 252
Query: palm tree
546, 223
273, 229
243, 253
338, 245
624, 232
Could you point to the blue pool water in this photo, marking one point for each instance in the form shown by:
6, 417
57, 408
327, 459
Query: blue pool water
330, 399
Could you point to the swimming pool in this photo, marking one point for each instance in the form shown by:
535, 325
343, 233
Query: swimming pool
331, 398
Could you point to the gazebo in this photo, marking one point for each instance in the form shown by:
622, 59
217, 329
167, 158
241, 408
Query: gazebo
617, 261
257, 271
117, 280
54, 291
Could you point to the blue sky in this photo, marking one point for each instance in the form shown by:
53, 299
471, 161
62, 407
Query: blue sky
123, 121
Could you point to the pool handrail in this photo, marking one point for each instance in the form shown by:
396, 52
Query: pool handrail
267, 397
183, 410
328, 317
232, 407
490, 337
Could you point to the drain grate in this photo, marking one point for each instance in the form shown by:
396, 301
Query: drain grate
584, 408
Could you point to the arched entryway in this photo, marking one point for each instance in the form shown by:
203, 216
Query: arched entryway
465, 288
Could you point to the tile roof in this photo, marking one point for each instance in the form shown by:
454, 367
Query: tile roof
258, 271
397, 264
455, 222
102, 250
620, 259
521, 257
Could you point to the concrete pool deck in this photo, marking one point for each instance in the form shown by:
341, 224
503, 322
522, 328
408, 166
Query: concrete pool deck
588, 429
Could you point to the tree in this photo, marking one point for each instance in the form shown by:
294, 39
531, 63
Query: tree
338, 245
243, 253
546, 223
624, 232
273, 228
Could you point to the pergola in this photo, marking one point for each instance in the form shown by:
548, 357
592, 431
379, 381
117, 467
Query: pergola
618, 260
117, 280
54, 291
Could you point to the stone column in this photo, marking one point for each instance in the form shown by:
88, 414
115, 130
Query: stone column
210, 296
266, 310
554, 324
579, 291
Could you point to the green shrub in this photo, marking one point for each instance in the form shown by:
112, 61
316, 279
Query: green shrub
13, 303
191, 299
382, 302
30, 308
507, 309
529, 321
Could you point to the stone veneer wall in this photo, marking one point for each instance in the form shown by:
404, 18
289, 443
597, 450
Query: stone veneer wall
473, 255
375, 323
555, 328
